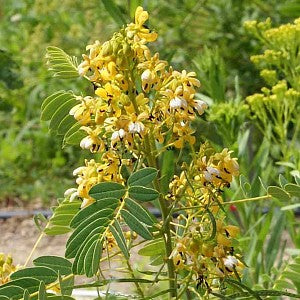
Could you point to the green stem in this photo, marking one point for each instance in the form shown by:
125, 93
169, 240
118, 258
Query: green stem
266, 197
136, 283
166, 221
150, 152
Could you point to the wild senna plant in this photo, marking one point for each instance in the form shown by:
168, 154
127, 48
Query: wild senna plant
138, 125
141, 108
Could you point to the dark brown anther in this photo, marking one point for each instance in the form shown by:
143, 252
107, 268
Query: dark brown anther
227, 233
226, 171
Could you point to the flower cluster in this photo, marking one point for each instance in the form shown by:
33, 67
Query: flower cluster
277, 104
208, 175
276, 109
138, 99
210, 258
6, 268
282, 51
205, 245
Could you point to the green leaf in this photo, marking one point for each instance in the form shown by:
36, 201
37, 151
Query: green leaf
104, 190
66, 285
88, 261
49, 107
293, 189
282, 180
119, 237
63, 65
278, 193
51, 98
88, 227
40, 273
140, 212
11, 292
290, 207
65, 124
244, 287
290, 9
68, 137
274, 241
133, 4
26, 295
85, 243
98, 209
243, 142
245, 185
56, 263
114, 12
61, 112
125, 172
136, 225
29, 283
142, 177
156, 260
143, 194
156, 247
42, 291
60, 221
76, 137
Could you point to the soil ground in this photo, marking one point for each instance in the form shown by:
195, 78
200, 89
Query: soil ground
18, 235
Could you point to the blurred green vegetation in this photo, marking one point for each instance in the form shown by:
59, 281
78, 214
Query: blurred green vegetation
207, 34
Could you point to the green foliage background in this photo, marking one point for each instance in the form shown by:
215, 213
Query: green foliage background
32, 163
205, 35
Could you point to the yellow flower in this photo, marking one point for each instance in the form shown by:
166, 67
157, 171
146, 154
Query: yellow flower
82, 112
6, 268
92, 142
138, 29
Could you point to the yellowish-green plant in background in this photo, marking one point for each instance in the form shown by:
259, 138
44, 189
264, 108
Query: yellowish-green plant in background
138, 126
276, 110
